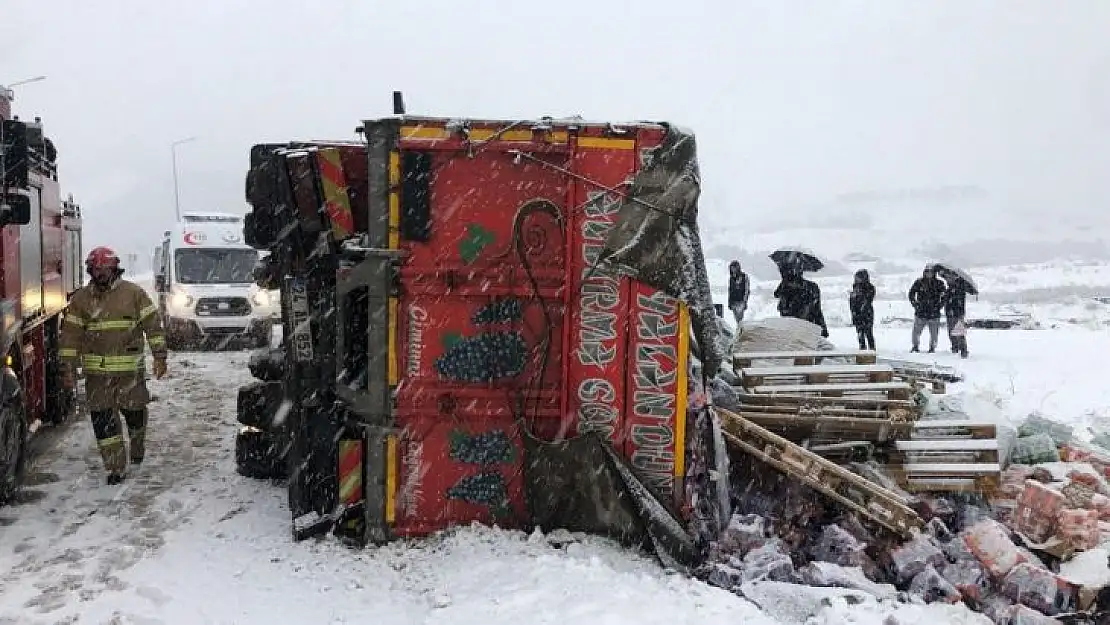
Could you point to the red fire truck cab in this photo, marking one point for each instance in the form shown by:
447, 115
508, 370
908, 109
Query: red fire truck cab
40, 267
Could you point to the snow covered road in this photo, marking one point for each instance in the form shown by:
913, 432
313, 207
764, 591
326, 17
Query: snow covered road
188, 541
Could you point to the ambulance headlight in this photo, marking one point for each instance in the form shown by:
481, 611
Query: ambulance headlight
260, 298
181, 300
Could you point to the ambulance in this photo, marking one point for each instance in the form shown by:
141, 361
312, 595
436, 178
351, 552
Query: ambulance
204, 280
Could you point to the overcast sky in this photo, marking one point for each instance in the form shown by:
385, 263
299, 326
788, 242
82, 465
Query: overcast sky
793, 102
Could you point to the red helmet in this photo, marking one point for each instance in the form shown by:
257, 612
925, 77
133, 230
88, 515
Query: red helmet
102, 257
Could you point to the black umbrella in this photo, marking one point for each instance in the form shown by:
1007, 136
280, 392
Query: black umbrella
951, 272
797, 258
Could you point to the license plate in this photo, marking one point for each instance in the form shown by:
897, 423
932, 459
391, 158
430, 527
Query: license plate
223, 306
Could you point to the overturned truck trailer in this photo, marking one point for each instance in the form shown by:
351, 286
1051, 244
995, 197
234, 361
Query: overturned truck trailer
485, 321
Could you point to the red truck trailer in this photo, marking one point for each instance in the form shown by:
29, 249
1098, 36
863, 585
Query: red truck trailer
40, 267
454, 351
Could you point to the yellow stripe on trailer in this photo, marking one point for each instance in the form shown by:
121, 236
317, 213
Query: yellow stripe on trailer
606, 143
392, 366
683, 394
394, 200
390, 478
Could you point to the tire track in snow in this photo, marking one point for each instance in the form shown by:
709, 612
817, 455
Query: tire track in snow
68, 547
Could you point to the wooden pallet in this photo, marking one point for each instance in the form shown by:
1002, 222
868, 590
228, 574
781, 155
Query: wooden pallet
822, 427
949, 456
890, 390
815, 374
855, 493
741, 360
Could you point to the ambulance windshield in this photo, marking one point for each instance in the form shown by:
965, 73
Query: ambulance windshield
215, 266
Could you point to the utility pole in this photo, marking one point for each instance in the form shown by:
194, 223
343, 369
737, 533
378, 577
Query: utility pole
176, 195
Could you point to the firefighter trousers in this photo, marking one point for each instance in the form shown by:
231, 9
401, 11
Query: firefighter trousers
109, 397
109, 437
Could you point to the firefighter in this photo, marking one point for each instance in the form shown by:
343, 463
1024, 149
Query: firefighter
103, 333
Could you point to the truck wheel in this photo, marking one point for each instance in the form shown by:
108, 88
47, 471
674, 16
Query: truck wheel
259, 454
13, 449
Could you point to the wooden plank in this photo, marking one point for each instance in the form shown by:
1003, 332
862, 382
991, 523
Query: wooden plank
941, 485
816, 411
750, 381
896, 390
985, 485
948, 445
950, 423
850, 400
942, 457
800, 426
940, 469
804, 369
804, 354
953, 429
744, 359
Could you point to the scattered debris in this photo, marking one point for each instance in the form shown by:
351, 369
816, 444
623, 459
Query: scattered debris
920, 498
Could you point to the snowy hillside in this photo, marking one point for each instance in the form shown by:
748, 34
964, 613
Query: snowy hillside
900, 230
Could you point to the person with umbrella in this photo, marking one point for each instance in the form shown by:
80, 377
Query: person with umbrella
861, 303
927, 299
960, 285
798, 297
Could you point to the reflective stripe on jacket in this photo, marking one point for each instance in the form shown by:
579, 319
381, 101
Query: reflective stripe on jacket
103, 329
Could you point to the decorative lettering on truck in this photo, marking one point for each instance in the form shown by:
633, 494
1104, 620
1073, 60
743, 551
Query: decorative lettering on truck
411, 491
418, 319
654, 392
599, 308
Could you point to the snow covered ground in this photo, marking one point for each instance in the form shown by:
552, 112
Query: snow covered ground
188, 541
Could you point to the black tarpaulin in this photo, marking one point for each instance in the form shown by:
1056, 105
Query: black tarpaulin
655, 238
582, 485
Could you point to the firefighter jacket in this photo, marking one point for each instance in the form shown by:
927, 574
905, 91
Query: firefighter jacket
103, 329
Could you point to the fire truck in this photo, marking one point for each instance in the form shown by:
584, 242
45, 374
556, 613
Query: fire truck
453, 349
40, 252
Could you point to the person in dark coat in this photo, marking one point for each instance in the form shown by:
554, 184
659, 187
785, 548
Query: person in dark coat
955, 311
927, 299
800, 298
738, 291
861, 302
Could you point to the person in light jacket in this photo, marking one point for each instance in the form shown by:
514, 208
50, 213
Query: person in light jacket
955, 313
861, 302
738, 291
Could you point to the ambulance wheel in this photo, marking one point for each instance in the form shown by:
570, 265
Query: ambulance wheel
13, 447
259, 454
